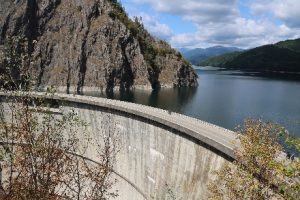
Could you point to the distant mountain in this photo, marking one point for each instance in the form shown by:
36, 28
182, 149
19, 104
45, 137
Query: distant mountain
196, 56
282, 56
221, 60
183, 50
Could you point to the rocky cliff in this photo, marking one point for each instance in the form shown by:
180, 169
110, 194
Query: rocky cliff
79, 45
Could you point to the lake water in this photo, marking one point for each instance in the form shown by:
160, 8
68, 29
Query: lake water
226, 98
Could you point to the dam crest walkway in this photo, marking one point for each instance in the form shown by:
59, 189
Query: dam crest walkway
215, 137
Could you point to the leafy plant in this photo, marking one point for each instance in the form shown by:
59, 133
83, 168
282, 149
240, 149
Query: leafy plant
150, 47
42, 152
14, 69
260, 170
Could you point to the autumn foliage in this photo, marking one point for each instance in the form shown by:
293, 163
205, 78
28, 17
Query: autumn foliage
44, 153
261, 169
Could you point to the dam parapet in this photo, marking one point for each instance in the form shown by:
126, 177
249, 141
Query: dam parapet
160, 151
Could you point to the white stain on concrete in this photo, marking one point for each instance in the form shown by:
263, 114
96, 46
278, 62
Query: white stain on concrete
156, 154
151, 179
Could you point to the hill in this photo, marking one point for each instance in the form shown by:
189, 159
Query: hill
196, 56
293, 45
282, 56
221, 60
80, 45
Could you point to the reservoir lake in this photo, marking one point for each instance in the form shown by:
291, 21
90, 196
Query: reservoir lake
226, 98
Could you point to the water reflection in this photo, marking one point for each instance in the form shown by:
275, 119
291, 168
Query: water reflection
174, 99
226, 98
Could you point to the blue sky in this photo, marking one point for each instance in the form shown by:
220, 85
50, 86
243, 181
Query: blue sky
205, 23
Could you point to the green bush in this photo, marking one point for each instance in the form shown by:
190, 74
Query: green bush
136, 27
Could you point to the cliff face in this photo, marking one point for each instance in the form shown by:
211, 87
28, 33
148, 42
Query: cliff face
91, 44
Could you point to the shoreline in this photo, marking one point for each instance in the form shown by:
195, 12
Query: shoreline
73, 89
253, 72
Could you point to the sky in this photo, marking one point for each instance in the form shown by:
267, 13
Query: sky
206, 23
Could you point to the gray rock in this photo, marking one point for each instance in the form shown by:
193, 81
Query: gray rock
78, 45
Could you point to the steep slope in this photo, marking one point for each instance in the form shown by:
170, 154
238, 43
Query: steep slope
293, 45
221, 60
198, 55
283, 56
81, 45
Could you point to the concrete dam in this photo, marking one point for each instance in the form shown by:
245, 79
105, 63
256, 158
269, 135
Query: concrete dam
160, 151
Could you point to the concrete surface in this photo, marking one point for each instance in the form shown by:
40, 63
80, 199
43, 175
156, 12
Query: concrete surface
161, 154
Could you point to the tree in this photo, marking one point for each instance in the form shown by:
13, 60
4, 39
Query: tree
260, 170
43, 154
14, 64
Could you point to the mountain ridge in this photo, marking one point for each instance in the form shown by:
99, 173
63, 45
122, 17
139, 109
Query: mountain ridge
283, 56
197, 55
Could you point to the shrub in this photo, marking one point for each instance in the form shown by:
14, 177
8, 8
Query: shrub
42, 154
260, 171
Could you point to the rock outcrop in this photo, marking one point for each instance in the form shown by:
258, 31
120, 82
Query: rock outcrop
80, 45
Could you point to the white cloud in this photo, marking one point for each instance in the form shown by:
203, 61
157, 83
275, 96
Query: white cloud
245, 33
288, 11
203, 11
151, 22
220, 22
158, 29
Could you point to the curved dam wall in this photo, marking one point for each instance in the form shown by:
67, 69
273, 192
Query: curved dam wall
161, 153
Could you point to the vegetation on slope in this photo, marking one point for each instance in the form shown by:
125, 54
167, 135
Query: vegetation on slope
293, 45
260, 170
42, 154
110, 50
149, 46
220, 60
283, 56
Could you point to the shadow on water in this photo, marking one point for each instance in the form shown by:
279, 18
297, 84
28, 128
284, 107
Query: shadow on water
225, 98
121, 95
173, 99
